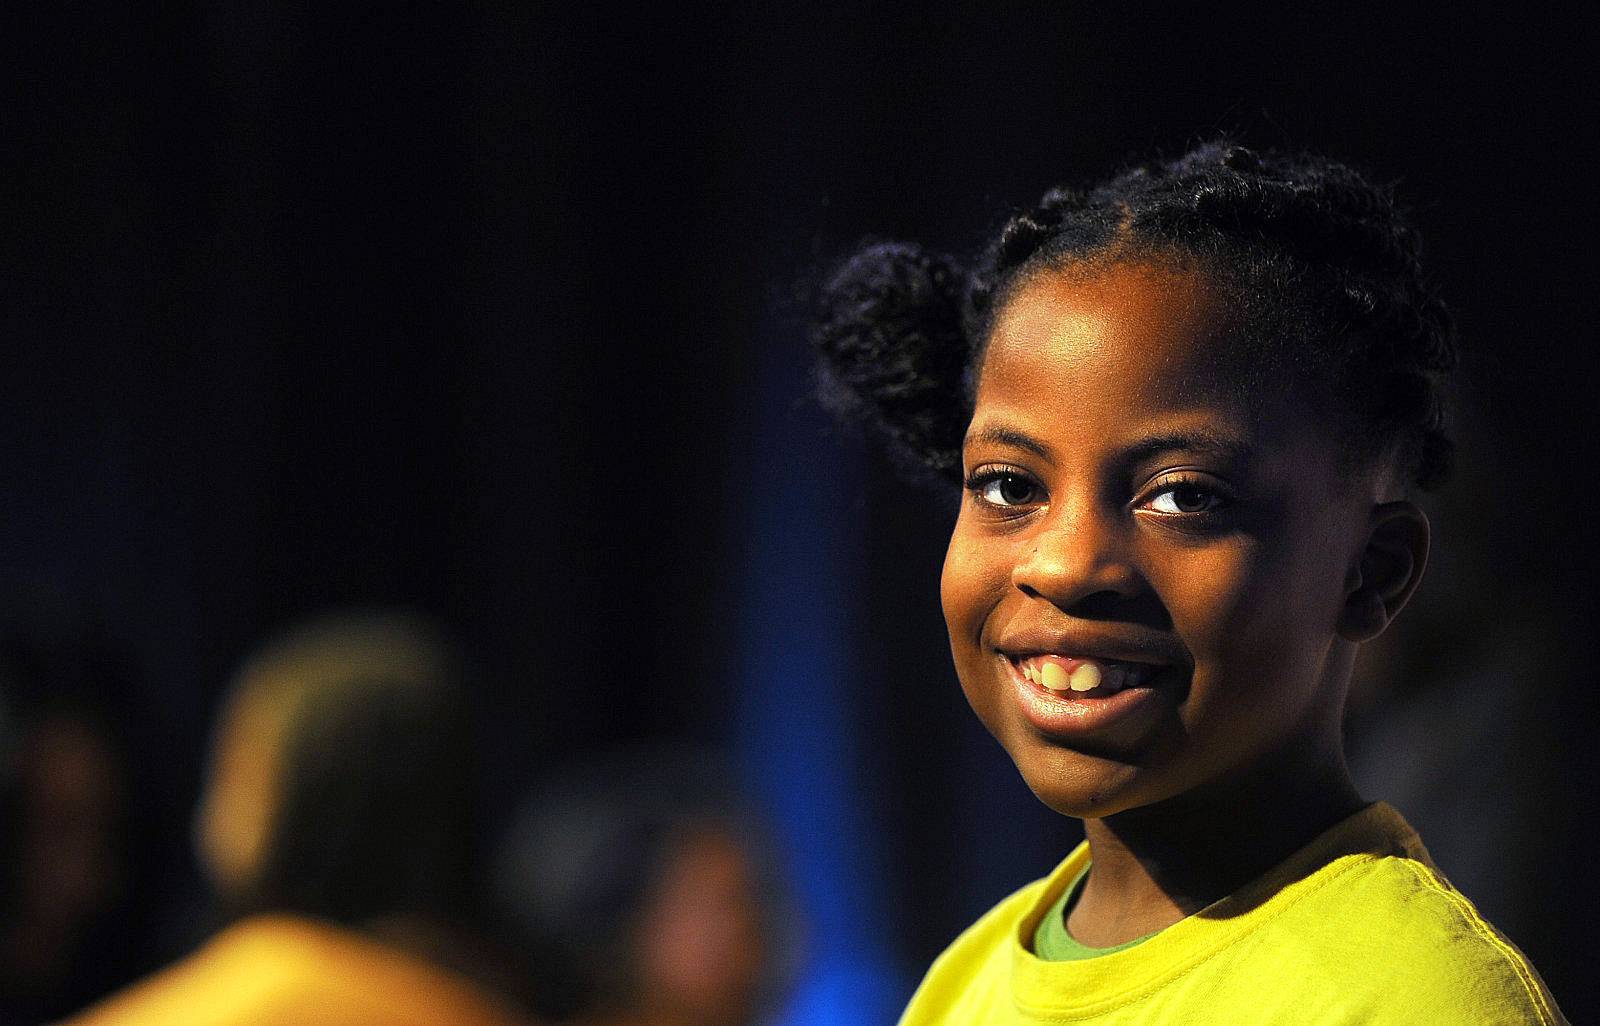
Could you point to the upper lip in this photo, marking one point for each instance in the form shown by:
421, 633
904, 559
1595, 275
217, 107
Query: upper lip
1108, 646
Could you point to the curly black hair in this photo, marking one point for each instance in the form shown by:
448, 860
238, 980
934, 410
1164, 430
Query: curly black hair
1323, 264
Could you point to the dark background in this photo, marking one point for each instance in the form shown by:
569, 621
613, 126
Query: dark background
494, 311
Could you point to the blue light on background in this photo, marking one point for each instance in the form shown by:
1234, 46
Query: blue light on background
797, 731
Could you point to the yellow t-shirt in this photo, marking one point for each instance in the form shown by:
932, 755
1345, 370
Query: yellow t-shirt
1359, 926
281, 970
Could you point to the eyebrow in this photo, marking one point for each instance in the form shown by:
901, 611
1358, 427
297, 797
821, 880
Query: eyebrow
1205, 443
1009, 436
1220, 447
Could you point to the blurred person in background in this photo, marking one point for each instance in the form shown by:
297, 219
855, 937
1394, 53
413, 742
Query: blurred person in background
337, 827
78, 912
643, 894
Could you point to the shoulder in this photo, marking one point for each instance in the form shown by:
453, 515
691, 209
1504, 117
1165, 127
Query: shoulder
1393, 924
288, 970
193, 989
973, 975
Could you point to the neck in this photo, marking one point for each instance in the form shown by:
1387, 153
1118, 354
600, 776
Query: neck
1154, 865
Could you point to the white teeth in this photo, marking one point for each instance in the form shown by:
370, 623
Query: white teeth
1105, 678
1086, 677
1052, 676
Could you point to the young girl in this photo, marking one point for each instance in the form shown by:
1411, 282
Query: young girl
1188, 407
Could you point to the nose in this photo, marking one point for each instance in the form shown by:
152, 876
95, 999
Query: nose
1078, 558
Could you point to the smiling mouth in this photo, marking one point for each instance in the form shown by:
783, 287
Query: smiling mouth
1079, 677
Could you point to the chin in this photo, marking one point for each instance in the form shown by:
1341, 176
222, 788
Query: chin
1084, 786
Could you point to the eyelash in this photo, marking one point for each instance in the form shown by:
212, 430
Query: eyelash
1194, 483
979, 480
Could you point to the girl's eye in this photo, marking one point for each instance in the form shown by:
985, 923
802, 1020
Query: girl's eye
1186, 498
1004, 489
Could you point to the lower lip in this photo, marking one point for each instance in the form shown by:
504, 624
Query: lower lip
1066, 716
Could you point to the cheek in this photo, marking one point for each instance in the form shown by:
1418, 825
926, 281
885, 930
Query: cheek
1216, 597
1257, 619
967, 588
971, 587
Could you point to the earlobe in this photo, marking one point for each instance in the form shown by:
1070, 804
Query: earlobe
1387, 572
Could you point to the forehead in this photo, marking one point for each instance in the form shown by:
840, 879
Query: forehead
1133, 329
1091, 359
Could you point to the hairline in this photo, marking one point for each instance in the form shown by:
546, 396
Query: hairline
1362, 449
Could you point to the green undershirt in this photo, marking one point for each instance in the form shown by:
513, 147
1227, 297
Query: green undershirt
1053, 943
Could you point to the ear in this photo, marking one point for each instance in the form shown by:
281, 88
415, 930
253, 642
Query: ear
1387, 571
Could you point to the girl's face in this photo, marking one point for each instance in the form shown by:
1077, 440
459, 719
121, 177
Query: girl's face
1144, 585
